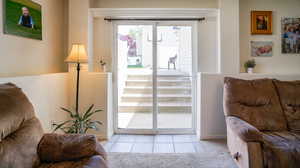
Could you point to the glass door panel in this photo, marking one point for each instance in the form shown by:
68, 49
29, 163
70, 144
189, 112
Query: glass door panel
174, 77
135, 73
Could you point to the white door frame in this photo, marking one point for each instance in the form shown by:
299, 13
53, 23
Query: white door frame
155, 130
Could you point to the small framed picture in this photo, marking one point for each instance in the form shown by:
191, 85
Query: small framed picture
23, 18
290, 35
261, 48
261, 22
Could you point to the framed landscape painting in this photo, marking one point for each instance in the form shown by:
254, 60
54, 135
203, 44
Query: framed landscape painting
261, 22
23, 18
261, 48
290, 28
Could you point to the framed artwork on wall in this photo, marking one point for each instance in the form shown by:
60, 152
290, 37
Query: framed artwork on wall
23, 18
261, 22
261, 48
290, 35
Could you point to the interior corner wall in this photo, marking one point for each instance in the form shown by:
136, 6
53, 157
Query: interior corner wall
229, 37
279, 63
207, 45
78, 22
22, 56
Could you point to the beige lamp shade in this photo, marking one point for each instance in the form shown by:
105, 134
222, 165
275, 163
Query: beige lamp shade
77, 54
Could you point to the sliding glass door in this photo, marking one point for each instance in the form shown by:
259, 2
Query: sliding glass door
173, 76
135, 73
154, 77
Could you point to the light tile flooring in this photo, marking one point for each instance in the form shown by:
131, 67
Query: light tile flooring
163, 144
144, 120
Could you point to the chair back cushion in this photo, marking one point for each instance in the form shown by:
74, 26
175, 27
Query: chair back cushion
20, 130
255, 101
15, 108
289, 94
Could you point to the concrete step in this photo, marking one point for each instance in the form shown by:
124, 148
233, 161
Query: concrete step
160, 90
178, 107
185, 98
159, 83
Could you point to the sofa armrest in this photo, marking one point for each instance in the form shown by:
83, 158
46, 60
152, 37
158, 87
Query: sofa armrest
244, 130
245, 154
68, 147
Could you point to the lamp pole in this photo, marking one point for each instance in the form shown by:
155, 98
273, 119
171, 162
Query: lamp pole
77, 55
77, 88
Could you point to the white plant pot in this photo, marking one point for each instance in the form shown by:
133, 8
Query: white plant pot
250, 70
104, 68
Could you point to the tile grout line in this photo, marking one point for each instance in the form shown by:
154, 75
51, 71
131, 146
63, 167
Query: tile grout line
113, 143
173, 143
153, 146
130, 151
133, 143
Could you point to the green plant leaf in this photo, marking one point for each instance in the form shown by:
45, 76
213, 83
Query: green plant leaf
68, 111
98, 122
89, 115
79, 123
59, 126
88, 111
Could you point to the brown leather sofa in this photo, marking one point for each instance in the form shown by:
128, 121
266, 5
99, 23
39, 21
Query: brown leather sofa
263, 122
24, 145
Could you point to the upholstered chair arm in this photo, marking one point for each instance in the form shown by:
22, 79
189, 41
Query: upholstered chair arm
243, 129
69, 147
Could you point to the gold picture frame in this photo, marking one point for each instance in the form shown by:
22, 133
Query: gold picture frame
261, 22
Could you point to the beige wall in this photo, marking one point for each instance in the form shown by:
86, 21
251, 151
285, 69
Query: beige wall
279, 63
155, 3
21, 56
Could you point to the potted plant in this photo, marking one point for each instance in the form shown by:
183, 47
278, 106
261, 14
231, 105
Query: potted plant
250, 65
103, 65
79, 123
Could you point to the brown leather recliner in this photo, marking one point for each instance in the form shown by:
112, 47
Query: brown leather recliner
263, 122
23, 143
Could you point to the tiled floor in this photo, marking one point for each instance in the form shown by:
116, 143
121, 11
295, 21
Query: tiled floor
163, 144
144, 120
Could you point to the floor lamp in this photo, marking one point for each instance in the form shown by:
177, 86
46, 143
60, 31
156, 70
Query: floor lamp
77, 56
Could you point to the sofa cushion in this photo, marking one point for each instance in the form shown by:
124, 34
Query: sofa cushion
15, 108
289, 94
255, 101
68, 147
281, 149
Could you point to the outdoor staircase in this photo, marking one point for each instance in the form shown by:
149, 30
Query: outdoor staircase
173, 94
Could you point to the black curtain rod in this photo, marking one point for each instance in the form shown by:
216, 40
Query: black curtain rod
154, 19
